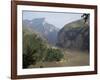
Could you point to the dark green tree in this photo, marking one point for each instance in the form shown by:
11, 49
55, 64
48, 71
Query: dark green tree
35, 50
53, 55
32, 49
85, 17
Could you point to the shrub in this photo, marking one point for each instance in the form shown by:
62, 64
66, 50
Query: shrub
35, 50
32, 49
53, 55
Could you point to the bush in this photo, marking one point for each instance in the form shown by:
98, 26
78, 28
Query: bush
35, 50
28, 58
32, 49
53, 55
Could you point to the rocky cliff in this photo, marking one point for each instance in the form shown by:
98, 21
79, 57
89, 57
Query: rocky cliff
74, 35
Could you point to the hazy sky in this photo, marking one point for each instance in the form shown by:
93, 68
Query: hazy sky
56, 18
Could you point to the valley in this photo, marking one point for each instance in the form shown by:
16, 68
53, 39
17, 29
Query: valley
44, 45
71, 58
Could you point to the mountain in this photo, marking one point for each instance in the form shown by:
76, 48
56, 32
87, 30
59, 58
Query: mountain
45, 29
74, 35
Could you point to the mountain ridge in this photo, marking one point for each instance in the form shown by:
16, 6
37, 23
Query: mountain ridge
74, 35
40, 25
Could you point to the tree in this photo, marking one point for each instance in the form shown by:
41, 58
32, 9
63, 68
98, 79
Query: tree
35, 50
32, 49
53, 55
85, 17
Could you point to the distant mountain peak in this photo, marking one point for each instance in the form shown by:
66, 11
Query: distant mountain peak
40, 25
38, 20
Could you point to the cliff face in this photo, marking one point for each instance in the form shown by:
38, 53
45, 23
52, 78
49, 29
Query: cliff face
74, 35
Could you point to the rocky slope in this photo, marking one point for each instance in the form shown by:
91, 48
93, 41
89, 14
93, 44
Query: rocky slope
45, 29
74, 35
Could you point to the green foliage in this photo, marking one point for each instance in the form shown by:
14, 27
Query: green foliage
85, 17
35, 50
28, 58
53, 55
32, 49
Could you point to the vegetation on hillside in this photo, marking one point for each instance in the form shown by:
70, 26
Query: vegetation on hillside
53, 55
39, 47
35, 50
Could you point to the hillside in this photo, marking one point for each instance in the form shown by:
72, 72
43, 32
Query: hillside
46, 46
45, 29
74, 35
36, 50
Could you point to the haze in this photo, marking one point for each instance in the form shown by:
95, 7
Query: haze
58, 19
